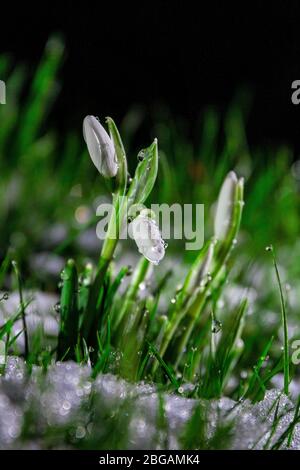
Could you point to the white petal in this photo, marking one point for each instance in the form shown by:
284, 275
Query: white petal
225, 206
148, 238
100, 147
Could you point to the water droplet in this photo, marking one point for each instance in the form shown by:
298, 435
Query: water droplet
142, 286
129, 179
57, 307
141, 155
165, 245
86, 282
63, 275
180, 390
5, 296
173, 300
269, 248
129, 270
80, 432
216, 326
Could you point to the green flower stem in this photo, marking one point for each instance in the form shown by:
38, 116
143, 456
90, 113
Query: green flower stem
113, 230
139, 275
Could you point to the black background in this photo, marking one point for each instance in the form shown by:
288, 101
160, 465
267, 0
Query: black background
175, 53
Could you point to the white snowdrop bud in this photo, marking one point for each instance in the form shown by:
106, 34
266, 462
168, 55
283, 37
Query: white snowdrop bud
100, 147
225, 206
148, 239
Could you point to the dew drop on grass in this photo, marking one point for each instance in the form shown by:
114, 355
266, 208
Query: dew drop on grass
180, 390
57, 307
142, 286
86, 282
141, 156
129, 270
173, 301
80, 432
216, 326
64, 275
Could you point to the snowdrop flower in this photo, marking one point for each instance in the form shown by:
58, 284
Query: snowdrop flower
147, 237
100, 147
225, 206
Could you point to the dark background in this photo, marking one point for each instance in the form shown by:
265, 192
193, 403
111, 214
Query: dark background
167, 53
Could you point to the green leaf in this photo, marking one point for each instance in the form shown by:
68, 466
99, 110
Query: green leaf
145, 176
121, 155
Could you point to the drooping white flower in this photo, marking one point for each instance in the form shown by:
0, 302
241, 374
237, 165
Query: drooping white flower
146, 234
225, 206
100, 147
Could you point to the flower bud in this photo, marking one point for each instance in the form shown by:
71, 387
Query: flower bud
148, 239
225, 206
100, 147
